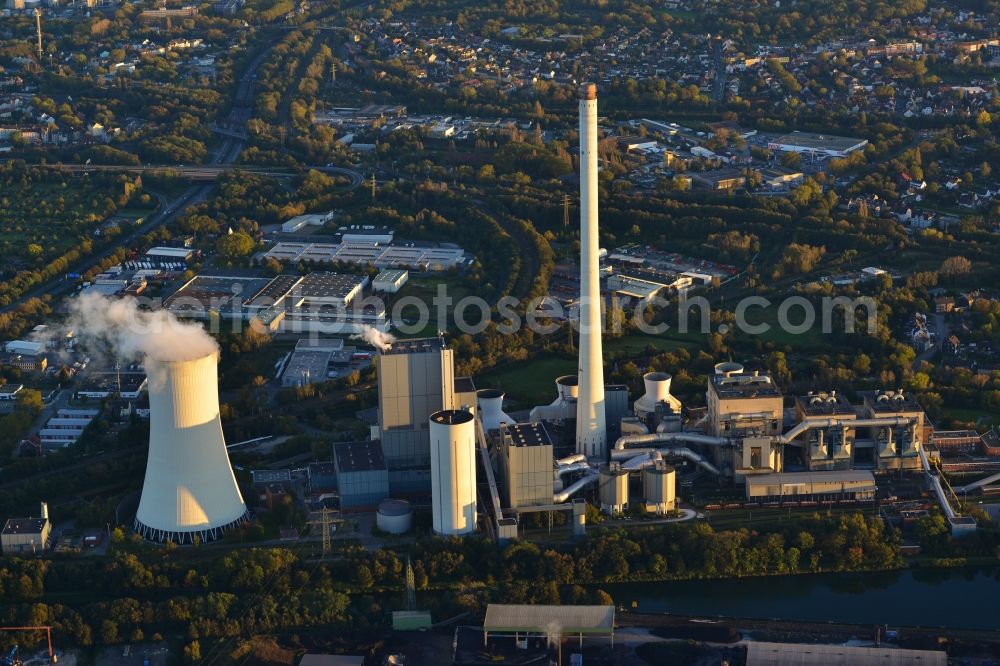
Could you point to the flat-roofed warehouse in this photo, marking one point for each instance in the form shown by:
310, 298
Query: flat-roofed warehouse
518, 619
793, 654
420, 256
847, 484
817, 144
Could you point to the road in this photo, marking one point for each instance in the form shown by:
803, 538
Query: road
231, 149
224, 159
719, 85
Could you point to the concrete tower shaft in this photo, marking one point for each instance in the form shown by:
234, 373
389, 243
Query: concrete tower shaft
591, 430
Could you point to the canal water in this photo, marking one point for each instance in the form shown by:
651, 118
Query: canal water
966, 598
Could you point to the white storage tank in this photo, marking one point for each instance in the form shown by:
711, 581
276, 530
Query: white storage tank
394, 516
453, 471
659, 487
613, 488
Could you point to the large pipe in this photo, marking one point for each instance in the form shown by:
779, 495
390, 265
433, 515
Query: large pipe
648, 457
850, 423
570, 469
591, 429
692, 437
569, 460
559, 498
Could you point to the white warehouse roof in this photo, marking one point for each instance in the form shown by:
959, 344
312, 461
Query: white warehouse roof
540, 619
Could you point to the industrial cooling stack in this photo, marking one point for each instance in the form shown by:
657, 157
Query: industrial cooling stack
189, 490
591, 430
453, 471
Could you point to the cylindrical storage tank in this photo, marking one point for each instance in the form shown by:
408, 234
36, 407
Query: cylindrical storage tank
568, 387
453, 472
394, 516
491, 413
189, 492
659, 487
728, 369
613, 488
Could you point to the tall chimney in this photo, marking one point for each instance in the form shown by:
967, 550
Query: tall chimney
591, 431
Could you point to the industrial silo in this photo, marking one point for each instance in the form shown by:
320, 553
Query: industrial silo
453, 472
613, 488
659, 487
189, 490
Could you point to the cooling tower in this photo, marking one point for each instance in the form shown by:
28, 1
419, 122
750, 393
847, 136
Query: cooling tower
189, 488
591, 430
453, 471
491, 409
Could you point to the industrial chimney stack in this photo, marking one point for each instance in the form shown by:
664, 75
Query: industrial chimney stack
591, 431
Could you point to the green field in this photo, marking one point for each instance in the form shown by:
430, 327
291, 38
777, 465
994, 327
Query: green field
980, 417
636, 344
530, 383
813, 338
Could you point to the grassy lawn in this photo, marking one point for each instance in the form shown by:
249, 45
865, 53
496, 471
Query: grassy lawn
981, 417
813, 338
636, 344
530, 383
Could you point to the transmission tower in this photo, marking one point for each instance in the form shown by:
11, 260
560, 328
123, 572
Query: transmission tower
372, 182
565, 202
411, 587
324, 523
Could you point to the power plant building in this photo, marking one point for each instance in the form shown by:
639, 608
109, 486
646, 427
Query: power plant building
526, 464
416, 379
896, 446
362, 477
25, 536
856, 485
749, 410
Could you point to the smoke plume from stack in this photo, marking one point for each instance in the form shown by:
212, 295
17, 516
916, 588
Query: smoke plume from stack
133, 334
374, 337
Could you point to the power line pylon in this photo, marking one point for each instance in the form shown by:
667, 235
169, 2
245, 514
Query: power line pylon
38, 30
565, 202
324, 523
372, 182
411, 587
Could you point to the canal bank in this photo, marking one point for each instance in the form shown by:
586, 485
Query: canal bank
961, 598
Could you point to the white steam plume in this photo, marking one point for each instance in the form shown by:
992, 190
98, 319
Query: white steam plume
134, 334
375, 337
